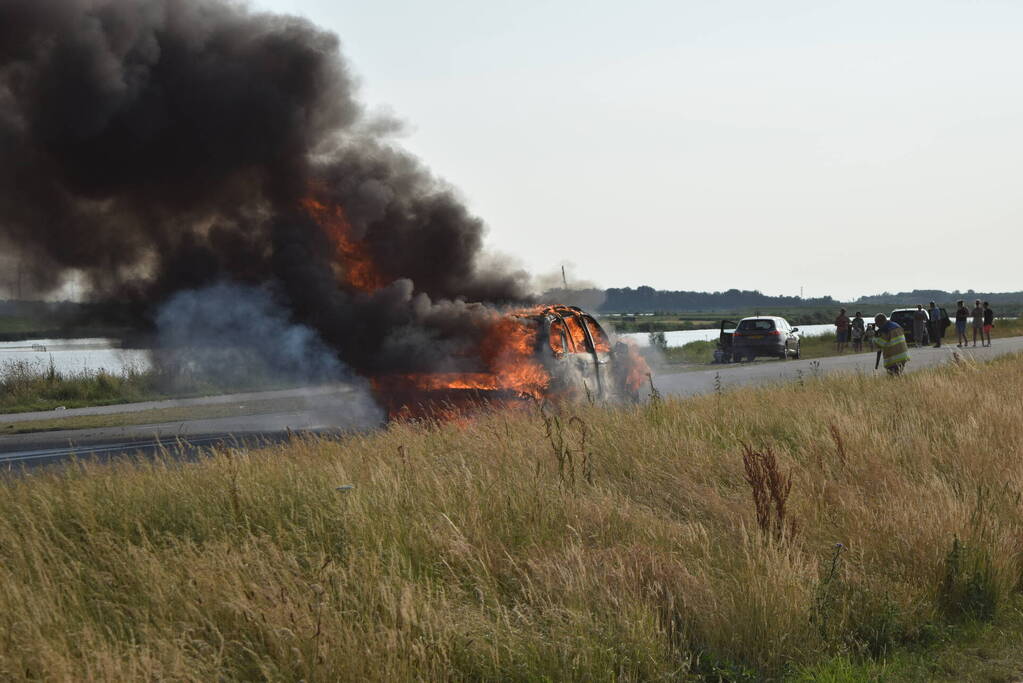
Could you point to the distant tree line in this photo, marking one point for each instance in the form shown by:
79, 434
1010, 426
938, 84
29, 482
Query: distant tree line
649, 300
646, 299
924, 296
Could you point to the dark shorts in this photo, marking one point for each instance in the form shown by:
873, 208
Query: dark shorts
843, 336
961, 326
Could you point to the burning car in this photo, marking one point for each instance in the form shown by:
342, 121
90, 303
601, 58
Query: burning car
555, 352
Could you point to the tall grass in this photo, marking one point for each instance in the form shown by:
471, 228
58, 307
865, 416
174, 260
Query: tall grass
26, 386
617, 544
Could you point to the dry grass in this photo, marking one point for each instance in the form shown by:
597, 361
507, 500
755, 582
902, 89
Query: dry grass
487, 551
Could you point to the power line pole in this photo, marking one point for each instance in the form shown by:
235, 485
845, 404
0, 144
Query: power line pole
563, 278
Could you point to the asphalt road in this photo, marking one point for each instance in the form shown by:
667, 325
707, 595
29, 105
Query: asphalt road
765, 371
327, 410
339, 409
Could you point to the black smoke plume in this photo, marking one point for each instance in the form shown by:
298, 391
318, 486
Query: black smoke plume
157, 146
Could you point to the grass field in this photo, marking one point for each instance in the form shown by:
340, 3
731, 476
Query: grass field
598, 544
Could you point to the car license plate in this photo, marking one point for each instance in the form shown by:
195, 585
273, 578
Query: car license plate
756, 336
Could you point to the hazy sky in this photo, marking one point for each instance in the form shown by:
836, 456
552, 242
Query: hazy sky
847, 147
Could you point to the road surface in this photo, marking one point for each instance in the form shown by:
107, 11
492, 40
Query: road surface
339, 409
327, 410
766, 371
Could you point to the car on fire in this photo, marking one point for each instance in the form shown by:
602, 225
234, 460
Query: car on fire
547, 352
580, 356
765, 336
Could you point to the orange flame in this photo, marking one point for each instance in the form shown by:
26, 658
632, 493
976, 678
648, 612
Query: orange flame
359, 270
637, 368
508, 351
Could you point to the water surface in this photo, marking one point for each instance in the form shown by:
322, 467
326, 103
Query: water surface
72, 356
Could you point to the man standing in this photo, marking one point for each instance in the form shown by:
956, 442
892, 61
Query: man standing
841, 331
891, 341
978, 322
962, 313
937, 324
989, 322
919, 325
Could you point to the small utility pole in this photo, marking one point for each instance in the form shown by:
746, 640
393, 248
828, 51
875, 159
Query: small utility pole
563, 278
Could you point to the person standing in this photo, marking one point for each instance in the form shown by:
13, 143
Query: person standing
978, 322
856, 329
841, 331
919, 324
962, 313
989, 322
869, 334
937, 324
891, 341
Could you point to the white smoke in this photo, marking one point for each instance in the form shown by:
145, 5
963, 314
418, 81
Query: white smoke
235, 337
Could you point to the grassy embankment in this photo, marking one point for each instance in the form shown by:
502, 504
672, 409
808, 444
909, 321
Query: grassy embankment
702, 352
29, 386
621, 545
16, 328
26, 386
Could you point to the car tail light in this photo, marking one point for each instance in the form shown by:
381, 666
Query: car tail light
775, 332
737, 334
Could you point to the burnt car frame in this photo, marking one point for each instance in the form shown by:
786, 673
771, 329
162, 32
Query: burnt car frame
579, 354
575, 353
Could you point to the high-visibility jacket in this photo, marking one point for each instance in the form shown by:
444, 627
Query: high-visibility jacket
892, 340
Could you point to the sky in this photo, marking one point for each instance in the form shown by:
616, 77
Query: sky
840, 148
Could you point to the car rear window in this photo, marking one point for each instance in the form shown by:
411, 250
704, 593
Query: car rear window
756, 326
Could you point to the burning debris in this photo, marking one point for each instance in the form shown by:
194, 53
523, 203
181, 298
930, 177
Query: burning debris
165, 146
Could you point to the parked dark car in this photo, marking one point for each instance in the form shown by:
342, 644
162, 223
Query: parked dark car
904, 317
765, 336
723, 353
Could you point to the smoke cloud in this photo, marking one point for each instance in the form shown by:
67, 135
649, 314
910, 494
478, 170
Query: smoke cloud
163, 146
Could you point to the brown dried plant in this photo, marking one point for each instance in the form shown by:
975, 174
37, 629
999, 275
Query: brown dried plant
770, 489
